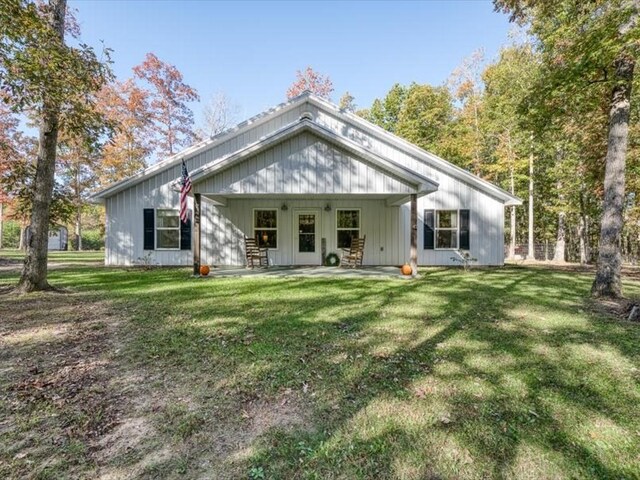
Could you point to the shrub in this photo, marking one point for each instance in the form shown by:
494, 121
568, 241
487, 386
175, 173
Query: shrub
91, 240
10, 234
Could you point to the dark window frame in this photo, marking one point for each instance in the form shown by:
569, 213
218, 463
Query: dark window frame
256, 228
348, 229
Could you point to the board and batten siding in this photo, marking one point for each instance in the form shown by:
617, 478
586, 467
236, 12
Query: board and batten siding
386, 228
124, 210
303, 165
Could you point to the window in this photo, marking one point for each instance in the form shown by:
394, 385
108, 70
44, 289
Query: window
265, 227
348, 226
167, 228
446, 229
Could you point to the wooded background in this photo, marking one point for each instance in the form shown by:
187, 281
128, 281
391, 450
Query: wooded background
536, 120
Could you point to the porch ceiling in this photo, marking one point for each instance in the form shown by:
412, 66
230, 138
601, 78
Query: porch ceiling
391, 199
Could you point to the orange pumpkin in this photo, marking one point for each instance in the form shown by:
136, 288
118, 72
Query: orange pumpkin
204, 270
406, 269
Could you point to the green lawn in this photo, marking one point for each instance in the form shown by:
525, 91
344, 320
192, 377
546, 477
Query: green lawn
495, 373
14, 255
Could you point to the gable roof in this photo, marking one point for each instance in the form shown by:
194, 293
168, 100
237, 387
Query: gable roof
306, 122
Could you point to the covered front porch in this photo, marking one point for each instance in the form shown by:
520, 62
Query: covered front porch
304, 230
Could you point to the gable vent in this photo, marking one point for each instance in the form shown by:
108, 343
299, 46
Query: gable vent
306, 116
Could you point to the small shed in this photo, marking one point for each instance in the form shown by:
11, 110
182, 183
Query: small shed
58, 237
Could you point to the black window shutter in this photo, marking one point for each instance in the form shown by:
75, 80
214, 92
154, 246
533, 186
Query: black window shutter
185, 233
149, 229
429, 229
464, 229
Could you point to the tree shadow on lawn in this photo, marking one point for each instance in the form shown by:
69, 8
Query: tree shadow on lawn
498, 373
493, 374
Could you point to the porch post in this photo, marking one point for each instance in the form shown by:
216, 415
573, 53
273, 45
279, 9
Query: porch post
413, 260
196, 231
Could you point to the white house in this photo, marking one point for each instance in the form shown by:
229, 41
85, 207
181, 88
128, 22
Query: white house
304, 178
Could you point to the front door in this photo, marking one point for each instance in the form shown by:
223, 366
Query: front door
306, 241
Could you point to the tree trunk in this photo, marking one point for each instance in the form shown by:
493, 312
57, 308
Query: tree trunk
34, 272
607, 282
78, 229
583, 241
583, 233
561, 235
22, 239
530, 250
559, 252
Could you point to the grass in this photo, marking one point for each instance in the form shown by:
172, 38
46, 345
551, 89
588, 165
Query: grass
69, 257
495, 373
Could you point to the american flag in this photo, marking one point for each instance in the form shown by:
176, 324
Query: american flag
185, 188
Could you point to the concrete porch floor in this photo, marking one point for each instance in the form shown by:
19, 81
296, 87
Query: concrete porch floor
309, 271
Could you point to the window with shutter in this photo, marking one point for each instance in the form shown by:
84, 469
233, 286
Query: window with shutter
149, 229
465, 230
185, 233
429, 231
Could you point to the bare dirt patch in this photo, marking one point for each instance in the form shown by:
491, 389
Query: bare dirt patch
619, 308
57, 386
73, 403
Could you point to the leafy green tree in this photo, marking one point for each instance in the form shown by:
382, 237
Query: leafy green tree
10, 143
585, 42
79, 162
55, 84
507, 137
20, 183
347, 102
386, 112
425, 116
466, 86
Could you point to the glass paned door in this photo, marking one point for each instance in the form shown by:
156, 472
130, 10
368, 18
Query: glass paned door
307, 232
307, 241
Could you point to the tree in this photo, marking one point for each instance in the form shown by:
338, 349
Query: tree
19, 184
9, 146
347, 103
465, 84
385, 112
425, 116
312, 81
53, 82
125, 106
79, 160
508, 82
169, 97
218, 115
582, 43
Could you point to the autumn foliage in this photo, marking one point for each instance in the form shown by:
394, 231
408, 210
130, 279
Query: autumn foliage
172, 119
310, 80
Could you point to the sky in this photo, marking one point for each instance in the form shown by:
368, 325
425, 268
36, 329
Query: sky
250, 51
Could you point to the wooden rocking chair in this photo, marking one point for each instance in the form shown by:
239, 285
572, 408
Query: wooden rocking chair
256, 256
353, 256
